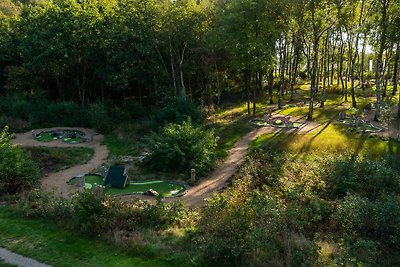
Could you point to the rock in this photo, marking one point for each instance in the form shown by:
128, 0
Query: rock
342, 115
151, 192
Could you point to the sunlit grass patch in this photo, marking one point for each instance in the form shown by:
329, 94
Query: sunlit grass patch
329, 138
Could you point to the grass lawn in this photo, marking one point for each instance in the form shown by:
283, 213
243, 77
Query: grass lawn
47, 243
329, 137
56, 159
164, 188
119, 146
3, 264
46, 137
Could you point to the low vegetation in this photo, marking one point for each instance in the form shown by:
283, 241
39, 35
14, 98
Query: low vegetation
52, 159
18, 170
182, 147
45, 241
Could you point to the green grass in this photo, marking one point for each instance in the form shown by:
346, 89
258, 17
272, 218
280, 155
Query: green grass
46, 137
56, 159
47, 243
164, 188
335, 138
119, 146
76, 140
3, 264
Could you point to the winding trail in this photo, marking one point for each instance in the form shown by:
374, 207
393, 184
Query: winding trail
57, 181
218, 179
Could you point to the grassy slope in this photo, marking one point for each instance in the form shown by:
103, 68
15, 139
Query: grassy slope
44, 241
56, 159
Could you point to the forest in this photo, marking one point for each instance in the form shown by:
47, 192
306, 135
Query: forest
250, 132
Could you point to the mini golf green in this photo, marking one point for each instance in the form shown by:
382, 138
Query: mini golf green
68, 136
46, 136
164, 188
362, 126
259, 122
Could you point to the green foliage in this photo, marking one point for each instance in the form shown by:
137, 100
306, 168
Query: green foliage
280, 202
182, 147
50, 243
178, 110
367, 177
88, 211
244, 228
100, 118
96, 214
38, 111
52, 159
17, 169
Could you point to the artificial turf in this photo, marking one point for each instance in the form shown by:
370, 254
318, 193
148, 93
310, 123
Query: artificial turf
164, 188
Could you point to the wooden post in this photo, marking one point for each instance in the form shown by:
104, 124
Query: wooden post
192, 176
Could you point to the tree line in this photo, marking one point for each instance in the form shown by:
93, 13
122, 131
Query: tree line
114, 50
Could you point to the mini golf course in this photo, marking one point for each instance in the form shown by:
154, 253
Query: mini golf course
67, 136
277, 122
362, 125
164, 188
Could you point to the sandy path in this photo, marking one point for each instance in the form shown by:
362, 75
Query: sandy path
57, 181
18, 260
195, 195
218, 179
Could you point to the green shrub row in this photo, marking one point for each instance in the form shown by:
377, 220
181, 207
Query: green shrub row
281, 207
96, 214
17, 169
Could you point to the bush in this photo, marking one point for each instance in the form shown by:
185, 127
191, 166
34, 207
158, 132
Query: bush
179, 110
17, 169
181, 147
100, 119
369, 178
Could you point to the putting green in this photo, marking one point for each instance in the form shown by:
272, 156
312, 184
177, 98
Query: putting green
67, 136
164, 188
362, 126
74, 140
46, 136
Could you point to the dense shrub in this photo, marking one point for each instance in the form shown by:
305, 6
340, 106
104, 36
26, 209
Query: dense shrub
367, 177
242, 228
94, 213
38, 111
100, 118
17, 169
181, 147
178, 110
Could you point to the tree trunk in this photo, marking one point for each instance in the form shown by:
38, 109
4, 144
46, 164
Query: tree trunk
247, 78
363, 62
380, 59
325, 71
396, 69
282, 76
271, 86
314, 78
183, 87
340, 74
171, 55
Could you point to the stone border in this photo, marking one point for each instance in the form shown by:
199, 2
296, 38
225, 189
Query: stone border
270, 123
79, 132
353, 124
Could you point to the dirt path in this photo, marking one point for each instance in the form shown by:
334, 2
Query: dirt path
219, 178
57, 181
195, 195
18, 260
